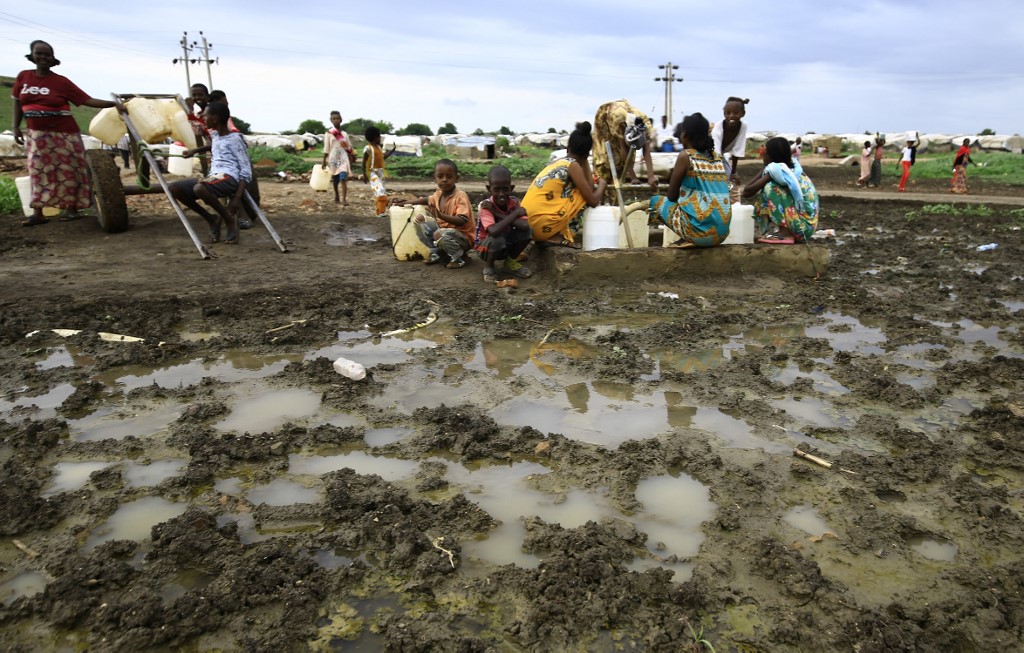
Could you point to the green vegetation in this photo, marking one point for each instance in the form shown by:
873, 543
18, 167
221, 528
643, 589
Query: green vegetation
973, 210
10, 201
1000, 167
447, 128
286, 162
358, 126
311, 126
415, 129
525, 164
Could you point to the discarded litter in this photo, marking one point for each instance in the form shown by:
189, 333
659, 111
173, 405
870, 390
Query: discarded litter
986, 248
350, 368
824, 233
108, 337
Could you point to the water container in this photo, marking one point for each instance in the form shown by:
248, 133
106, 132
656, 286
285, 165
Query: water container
741, 227
320, 179
24, 186
601, 228
350, 368
912, 136
177, 164
404, 241
181, 129
638, 229
107, 126
148, 121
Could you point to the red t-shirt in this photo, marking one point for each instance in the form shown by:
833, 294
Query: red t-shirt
51, 93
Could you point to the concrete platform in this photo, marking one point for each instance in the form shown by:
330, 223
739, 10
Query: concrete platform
579, 268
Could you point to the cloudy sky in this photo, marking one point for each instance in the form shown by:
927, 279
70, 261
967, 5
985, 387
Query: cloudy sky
828, 66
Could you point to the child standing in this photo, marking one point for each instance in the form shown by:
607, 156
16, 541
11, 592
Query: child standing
453, 229
230, 171
909, 157
373, 169
338, 154
502, 231
730, 136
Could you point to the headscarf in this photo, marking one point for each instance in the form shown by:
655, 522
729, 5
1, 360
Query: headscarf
781, 173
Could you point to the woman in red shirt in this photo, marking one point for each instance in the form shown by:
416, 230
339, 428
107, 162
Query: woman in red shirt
56, 156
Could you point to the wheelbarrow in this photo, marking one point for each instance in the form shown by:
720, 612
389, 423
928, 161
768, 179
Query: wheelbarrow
109, 192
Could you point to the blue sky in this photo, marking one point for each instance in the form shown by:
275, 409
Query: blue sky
806, 65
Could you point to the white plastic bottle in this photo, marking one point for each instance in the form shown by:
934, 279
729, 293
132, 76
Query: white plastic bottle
350, 368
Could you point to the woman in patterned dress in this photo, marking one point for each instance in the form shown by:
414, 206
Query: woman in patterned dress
696, 208
562, 190
785, 199
56, 155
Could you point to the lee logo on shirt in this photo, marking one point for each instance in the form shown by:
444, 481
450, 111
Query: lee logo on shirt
35, 90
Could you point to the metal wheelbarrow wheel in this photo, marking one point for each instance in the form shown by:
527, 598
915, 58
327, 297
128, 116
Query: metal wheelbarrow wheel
107, 192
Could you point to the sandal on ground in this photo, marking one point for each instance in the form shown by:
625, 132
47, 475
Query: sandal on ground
33, 221
455, 264
70, 217
434, 257
559, 241
775, 239
681, 244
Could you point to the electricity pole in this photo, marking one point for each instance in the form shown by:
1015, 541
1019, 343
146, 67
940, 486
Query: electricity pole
669, 77
185, 49
206, 58
188, 48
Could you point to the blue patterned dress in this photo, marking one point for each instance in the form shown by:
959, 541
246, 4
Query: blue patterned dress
701, 214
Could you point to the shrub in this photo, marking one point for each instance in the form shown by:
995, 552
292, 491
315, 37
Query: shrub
286, 161
10, 201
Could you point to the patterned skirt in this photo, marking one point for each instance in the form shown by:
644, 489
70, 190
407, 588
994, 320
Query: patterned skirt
959, 183
56, 164
702, 233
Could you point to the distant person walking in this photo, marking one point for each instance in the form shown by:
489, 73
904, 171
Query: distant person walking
53, 142
875, 180
963, 157
909, 157
865, 164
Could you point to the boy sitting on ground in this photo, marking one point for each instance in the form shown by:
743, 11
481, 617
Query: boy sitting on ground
452, 231
230, 171
502, 231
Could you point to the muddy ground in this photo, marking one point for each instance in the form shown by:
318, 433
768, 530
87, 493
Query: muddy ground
212, 447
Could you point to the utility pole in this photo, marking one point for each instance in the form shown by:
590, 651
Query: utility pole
206, 58
185, 49
669, 77
188, 48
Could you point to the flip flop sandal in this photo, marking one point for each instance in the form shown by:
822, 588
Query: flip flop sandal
33, 221
490, 275
70, 217
559, 243
775, 239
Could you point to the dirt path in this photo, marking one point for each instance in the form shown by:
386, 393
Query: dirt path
597, 469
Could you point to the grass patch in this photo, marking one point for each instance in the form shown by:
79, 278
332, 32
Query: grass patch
286, 161
10, 201
1000, 167
524, 164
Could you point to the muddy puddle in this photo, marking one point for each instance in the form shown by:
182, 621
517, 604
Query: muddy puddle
584, 469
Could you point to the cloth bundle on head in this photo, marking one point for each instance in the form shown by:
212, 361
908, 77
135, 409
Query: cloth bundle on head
782, 174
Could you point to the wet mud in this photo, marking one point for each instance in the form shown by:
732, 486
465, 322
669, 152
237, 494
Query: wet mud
602, 467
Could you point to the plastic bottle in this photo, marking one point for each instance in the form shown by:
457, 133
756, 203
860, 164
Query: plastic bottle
350, 368
986, 248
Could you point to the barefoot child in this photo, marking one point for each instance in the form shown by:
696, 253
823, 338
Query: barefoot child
373, 169
453, 227
230, 171
338, 154
502, 231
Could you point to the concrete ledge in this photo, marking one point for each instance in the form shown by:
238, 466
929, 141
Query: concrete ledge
575, 268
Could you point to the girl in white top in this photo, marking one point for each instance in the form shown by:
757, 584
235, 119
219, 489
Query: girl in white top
908, 159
